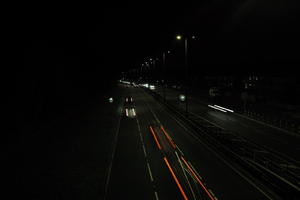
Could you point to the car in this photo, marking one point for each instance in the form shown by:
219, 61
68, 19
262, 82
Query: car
129, 108
128, 100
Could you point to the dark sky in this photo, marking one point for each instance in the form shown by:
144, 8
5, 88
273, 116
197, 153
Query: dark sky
233, 32
86, 47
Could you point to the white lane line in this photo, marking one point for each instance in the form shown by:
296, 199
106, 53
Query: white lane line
227, 163
195, 170
213, 194
185, 175
156, 195
145, 153
149, 170
112, 157
140, 132
179, 150
156, 118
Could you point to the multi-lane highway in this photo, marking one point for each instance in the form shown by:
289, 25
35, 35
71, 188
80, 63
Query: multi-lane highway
157, 156
270, 137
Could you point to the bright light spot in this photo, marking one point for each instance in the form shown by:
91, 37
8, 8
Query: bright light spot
152, 87
182, 97
193, 37
125, 82
126, 112
131, 99
146, 85
110, 100
223, 108
133, 112
178, 37
217, 108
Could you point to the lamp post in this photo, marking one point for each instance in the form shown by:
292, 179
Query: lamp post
164, 74
179, 37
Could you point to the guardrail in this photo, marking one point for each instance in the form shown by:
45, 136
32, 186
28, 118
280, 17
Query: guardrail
279, 122
275, 170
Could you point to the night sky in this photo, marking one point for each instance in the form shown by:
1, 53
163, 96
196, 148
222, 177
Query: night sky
72, 51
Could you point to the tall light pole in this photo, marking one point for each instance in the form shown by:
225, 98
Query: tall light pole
164, 74
179, 37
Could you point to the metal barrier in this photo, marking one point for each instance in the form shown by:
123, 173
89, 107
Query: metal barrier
289, 125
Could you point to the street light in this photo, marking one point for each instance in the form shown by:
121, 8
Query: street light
164, 69
179, 37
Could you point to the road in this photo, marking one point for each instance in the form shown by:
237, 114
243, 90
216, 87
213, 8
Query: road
260, 133
98, 151
157, 157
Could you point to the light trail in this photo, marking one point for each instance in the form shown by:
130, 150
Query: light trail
155, 138
175, 178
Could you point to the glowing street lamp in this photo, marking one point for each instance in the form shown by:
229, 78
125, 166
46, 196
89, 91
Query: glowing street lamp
178, 37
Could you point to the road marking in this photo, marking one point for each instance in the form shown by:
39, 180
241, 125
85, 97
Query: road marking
112, 157
185, 175
145, 153
156, 118
195, 170
175, 178
223, 160
140, 132
213, 194
199, 181
150, 173
156, 196
180, 150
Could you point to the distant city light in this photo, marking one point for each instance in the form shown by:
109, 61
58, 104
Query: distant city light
110, 100
152, 87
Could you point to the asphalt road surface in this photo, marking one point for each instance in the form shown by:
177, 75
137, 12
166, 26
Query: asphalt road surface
157, 157
100, 150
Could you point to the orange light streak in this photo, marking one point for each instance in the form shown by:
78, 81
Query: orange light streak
155, 138
176, 180
169, 138
196, 177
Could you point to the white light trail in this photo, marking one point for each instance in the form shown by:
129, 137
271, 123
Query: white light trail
224, 108
217, 108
